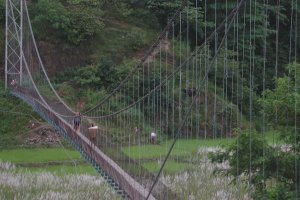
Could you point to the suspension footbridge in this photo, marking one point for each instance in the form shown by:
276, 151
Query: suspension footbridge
185, 87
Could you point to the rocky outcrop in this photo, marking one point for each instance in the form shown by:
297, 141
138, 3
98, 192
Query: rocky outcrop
43, 136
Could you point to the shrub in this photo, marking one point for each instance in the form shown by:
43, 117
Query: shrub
136, 39
74, 25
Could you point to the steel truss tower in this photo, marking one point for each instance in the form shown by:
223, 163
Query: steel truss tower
13, 41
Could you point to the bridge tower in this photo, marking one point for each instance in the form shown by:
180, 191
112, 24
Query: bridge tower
14, 41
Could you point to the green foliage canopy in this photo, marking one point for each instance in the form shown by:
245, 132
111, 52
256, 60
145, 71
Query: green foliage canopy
76, 21
251, 156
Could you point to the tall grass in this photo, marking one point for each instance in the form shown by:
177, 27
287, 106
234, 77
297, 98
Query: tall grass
200, 182
48, 186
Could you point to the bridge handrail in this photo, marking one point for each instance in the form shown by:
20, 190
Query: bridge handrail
127, 183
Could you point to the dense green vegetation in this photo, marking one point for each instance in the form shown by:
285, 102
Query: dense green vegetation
270, 164
100, 41
108, 62
106, 35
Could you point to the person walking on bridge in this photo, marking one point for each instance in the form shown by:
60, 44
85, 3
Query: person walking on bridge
77, 121
93, 134
14, 84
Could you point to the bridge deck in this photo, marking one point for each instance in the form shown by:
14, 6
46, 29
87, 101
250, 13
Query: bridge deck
132, 188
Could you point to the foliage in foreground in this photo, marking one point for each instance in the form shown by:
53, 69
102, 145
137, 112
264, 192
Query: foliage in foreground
271, 170
75, 22
199, 183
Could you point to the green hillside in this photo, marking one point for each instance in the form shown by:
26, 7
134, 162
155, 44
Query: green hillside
15, 116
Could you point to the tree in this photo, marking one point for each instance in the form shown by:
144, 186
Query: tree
164, 9
100, 75
251, 156
2, 11
270, 172
76, 21
86, 76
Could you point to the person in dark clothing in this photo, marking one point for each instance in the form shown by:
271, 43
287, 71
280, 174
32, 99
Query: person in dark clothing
77, 121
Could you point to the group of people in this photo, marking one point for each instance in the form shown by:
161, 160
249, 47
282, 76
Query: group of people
93, 130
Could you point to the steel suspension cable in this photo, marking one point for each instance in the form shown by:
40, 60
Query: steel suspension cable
191, 105
264, 85
242, 90
41, 63
237, 101
167, 89
173, 82
296, 103
216, 69
291, 34
206, 94
226, 75
160, 94
296, 31
196, 66
276, 78
250, 99
234, 49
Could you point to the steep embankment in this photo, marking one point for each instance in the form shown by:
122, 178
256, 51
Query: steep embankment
15, 117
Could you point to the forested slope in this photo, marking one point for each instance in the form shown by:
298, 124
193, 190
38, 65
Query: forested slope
88, 45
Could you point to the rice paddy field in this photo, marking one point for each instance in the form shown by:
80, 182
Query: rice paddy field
185, 152
57, 160
49, 173
64, 182
59, 173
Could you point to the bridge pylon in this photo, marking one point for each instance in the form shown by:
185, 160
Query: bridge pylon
13, 41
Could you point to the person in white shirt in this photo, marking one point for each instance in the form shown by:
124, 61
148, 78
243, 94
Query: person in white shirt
93, 134
14, 83
153, 138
